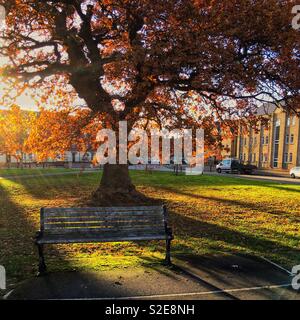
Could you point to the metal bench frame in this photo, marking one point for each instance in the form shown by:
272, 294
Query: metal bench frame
60, 232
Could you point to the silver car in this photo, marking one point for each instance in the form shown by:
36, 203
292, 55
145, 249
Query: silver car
295, 172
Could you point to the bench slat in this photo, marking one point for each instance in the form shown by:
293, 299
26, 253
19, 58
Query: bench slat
102, 209
78, 239
108, 219
104, 224
104, 230
109, 209
108, 214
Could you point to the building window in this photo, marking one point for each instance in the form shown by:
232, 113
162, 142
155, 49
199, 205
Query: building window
291, 157
287, 139
292, 138
267, 139
277, 134
285, 157
293, 120
262, 140
245, 141
288, 123
254, 157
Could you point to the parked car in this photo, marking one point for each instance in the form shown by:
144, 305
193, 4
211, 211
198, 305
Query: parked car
233, 165
295, 172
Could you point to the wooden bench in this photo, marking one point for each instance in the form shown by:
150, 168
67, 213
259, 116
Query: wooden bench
110, 224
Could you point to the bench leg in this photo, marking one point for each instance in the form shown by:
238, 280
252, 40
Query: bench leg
42, 264
168, 252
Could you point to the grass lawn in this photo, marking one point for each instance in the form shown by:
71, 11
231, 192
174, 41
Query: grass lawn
34, 171
209, 214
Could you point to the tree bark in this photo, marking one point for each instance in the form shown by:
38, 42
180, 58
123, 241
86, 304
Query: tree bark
116, 188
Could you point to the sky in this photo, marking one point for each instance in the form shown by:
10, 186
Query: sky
25, 101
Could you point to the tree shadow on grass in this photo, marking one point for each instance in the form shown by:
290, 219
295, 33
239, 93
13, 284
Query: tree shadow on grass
289, 189
237, 203
52, 184
18, 254
188, 227
18, 224
21, 258
51, 187
203, 229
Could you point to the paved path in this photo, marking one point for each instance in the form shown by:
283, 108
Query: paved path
229, 277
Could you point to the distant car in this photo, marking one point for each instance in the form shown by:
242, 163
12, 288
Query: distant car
233, 165
295, 172
224, 166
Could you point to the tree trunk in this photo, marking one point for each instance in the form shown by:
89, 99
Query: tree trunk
116, 188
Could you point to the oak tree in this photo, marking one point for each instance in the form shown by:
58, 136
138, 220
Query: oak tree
146, 59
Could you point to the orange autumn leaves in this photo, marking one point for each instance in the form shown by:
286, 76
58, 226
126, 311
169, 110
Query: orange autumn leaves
15, 126
58, 131
48, 133
148, 60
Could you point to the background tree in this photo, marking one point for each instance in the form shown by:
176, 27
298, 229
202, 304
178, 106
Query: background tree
129, 60
15, 126
56, 132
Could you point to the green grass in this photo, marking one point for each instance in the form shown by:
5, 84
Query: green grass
33, 171
209, 215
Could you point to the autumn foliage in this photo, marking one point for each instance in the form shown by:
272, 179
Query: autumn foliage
55, 132
15, 126
154, 59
